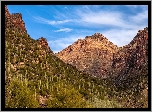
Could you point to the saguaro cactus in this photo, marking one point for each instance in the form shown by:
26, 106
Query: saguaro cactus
47, 84
9, 63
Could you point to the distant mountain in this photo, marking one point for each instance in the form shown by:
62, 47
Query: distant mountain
92, 55
97, 56
125, 66
36, 78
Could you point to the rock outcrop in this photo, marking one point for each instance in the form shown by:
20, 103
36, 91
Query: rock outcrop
14, 20
43, 43
17, 19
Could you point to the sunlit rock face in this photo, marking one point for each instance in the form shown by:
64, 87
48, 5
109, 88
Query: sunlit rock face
14, 20
101, 58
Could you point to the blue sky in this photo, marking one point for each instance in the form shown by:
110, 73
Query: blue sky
62, 25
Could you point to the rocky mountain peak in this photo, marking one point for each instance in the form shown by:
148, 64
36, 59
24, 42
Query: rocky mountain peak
97, 36
43, 42
14, 20
86, 54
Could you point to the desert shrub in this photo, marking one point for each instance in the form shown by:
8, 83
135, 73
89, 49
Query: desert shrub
98, 103
19, 95
67, 97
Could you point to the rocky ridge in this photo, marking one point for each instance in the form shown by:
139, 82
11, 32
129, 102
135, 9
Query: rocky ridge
99, 57
14, 20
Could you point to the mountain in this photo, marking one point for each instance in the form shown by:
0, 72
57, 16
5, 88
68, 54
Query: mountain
36, 78
132, 59
92, 55
126, 66
96, 55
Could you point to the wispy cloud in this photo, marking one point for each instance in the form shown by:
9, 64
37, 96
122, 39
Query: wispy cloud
63, 30
50, 22
121, 37
119, 26
140, 17
101, 18
61, 43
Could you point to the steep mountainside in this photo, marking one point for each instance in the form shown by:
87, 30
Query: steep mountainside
92, 55
132, 58
36, 78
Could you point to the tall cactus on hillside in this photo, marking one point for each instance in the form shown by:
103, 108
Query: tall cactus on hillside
9, 64
47, 84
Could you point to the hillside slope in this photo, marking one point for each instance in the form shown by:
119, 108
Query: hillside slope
36, 78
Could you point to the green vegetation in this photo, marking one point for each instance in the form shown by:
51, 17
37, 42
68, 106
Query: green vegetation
18, 95
42, 80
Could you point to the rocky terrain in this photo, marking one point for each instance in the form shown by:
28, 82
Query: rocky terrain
99, 57
93, 55
35, 77
14, 20
132, 58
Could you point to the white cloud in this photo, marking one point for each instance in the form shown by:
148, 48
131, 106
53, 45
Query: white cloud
140, 17
104, 18
50, 22
61, 43
66, 8
97, 19
121, 37
63, 30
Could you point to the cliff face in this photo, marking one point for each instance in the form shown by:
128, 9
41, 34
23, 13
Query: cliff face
14, 20
101, 58
135, 54
17, 19
7, 14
